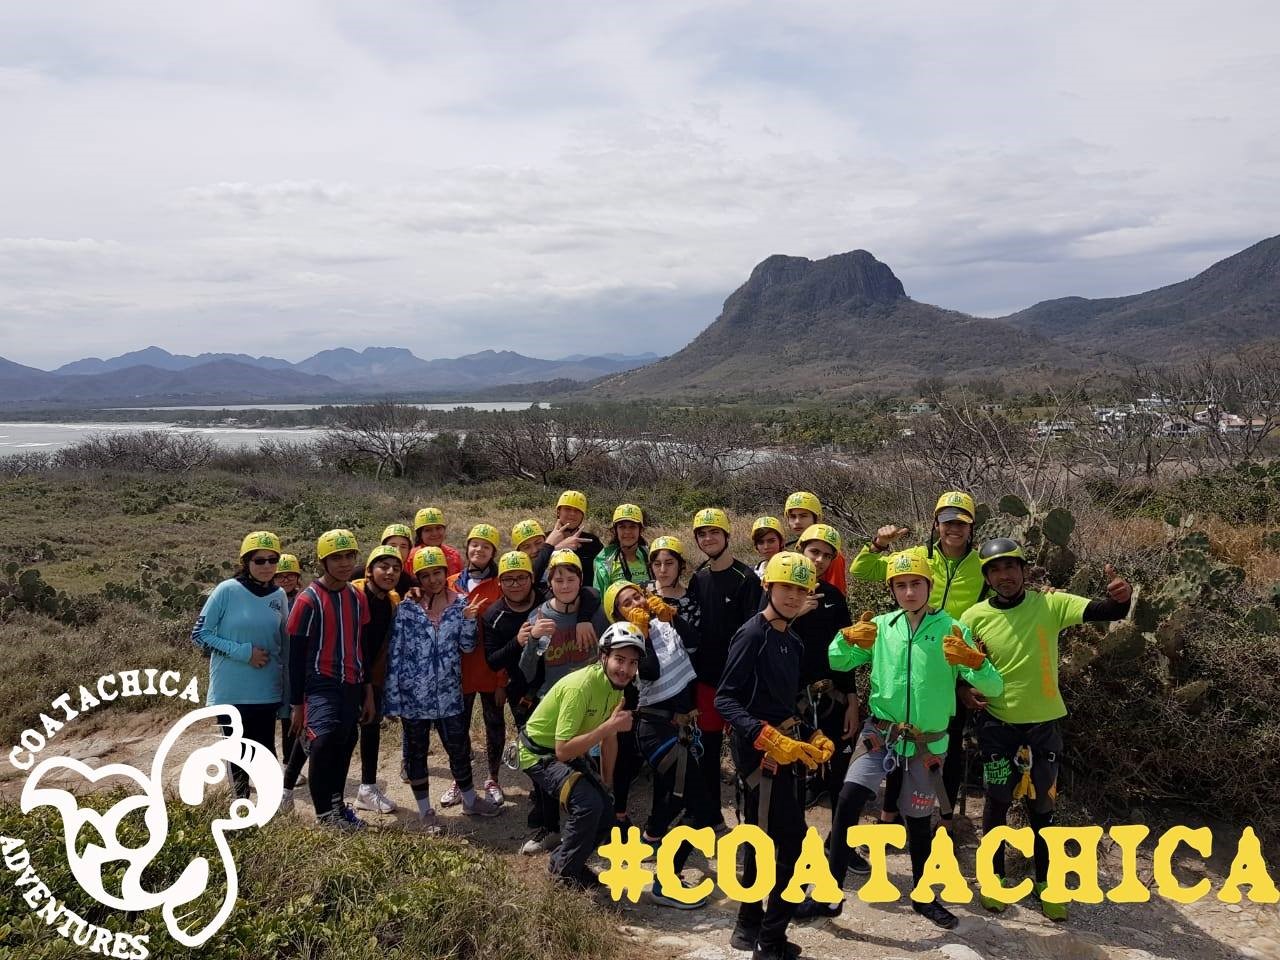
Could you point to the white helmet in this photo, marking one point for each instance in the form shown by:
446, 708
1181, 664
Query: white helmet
621, 634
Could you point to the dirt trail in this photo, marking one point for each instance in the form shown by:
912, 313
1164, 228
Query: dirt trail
1158, 930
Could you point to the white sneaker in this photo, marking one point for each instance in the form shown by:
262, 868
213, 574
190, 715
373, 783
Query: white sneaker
543, 841
369, 797
494, 792
452, 797
286, 801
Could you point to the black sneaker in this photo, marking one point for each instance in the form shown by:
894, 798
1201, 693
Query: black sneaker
938, 914
776, 951
744, 938
817, 910
858, 864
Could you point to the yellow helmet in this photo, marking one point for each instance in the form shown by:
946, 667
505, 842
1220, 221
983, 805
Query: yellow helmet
259, 540
428, 517
793, 568
573, 498
428, 558
958, 506
526, 530
564, 558
396, 530
514, 562
379, 553
767, 523
335, 541
667, 543
288, 564
610, 600
711, 517
628, 511
821, 531
803, 500
908, 563
487, 532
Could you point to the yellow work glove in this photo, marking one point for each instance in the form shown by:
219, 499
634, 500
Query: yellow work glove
783, 750
861, 634
660, 608
640, 617
959, 653
824, 745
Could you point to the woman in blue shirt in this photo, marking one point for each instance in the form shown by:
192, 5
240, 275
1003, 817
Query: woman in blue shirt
242, 626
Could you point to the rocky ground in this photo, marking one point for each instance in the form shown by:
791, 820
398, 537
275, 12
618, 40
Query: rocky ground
1158, 930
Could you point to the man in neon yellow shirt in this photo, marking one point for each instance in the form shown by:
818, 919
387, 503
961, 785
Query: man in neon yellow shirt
582, 710
1019, 733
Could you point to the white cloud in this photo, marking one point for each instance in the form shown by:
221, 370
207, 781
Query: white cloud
559, 178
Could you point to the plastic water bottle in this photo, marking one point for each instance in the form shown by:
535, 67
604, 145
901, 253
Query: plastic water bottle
543, 643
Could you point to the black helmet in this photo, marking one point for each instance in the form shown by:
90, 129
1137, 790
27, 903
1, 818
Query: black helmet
1000, 547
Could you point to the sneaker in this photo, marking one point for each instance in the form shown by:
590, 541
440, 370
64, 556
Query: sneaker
369, 797
1056, 912
349, 817
744, 938
452, 797
427, 824
995, 906
483, 807
938, 914
335, 820
286, 801
661, 899
858, 864
817, 910
543, 841
776, 951
494, 792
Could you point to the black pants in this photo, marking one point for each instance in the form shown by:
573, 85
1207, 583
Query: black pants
495, 729
625, 768
654, 740
830, 776
333, 716
786, 828
712, 747
587, 808
259, 722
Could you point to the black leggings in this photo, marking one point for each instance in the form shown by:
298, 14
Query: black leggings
625, 767
652, 738
853, 797
712, 745
259, 723
996, 812
495, 729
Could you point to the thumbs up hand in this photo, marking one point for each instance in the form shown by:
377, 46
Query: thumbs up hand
1118, 588
861, 634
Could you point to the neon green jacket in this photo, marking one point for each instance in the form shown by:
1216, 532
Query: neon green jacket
608, 567
956, 584
928, 699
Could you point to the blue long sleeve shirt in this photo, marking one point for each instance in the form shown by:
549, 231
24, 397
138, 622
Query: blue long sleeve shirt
424, 662
232, 623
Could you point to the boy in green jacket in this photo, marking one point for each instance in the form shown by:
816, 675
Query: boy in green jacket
957, 584
916, 655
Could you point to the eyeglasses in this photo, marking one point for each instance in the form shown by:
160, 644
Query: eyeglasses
515, 581
265, 561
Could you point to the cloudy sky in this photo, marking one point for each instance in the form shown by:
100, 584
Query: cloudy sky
278, 178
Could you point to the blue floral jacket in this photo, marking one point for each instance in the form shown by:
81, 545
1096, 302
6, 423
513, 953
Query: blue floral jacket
424, 662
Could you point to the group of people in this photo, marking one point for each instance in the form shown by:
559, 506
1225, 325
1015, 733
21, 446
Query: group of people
610, 657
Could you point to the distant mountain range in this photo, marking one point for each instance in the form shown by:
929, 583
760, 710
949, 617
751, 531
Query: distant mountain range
155, 376
846, 324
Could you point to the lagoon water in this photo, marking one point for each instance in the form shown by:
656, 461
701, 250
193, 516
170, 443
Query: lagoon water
27, 437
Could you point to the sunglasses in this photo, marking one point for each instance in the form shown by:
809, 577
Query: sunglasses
265, 561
